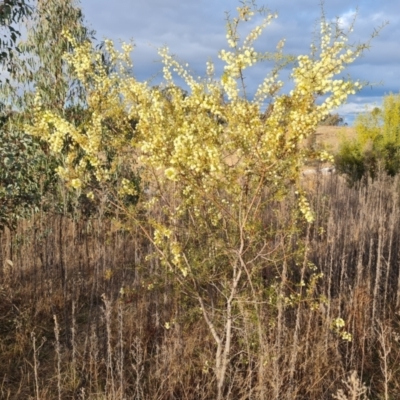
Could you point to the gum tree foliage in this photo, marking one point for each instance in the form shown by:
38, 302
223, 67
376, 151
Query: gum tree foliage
376, 145
43, 67
11, 13
26, 167
205, 186
23, 172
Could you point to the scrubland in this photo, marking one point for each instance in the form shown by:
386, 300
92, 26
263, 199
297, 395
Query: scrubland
87, 313
159, 243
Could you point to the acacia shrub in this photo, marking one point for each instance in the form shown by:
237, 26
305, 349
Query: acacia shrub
205, 185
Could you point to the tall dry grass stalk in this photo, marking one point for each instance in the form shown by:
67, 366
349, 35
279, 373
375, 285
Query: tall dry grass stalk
58, 355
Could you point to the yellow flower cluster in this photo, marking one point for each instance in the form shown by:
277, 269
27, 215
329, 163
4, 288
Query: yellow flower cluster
127, 188
305, 208
210, 148
337, 326
316, 76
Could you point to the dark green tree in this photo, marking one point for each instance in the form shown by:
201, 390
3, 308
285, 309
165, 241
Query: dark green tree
332, 120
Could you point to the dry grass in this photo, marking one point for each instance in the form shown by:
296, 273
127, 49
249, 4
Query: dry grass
329, 136
113, 344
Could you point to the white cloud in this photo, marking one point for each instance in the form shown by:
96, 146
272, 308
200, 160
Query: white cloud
358, 105
347, 19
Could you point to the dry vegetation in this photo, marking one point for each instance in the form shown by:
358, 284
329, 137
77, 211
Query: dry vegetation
214, 268
67, 330
329, 136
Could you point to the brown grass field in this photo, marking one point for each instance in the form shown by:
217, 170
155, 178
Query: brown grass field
83, 308
329, 136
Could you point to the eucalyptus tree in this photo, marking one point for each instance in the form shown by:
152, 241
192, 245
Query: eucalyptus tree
11, 12
27, 171
41, 66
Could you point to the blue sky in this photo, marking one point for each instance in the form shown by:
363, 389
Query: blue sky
194, 30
